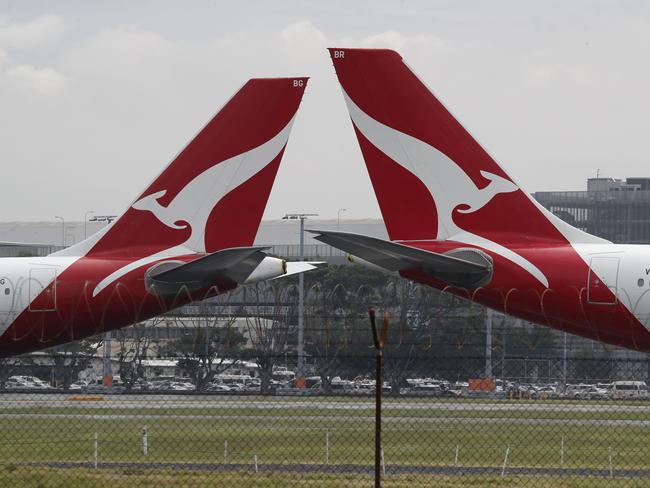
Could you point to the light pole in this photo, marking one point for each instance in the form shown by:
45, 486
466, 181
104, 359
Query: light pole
86, 222
62, 229
70, 233
300, 381
488, 343
108, 367
564, 362
338, 217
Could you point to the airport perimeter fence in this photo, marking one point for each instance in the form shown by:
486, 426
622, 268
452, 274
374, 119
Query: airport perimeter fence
210, 397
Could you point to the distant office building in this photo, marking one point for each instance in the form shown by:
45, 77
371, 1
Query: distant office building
17, 249
282, 236
617, 210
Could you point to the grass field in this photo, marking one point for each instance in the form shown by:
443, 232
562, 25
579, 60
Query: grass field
321, 433
78, 478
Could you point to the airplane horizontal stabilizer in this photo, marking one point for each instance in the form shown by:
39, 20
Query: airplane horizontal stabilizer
471, 270
226, 267
297, 267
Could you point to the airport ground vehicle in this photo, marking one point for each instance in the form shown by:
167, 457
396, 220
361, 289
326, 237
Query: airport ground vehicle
624, 390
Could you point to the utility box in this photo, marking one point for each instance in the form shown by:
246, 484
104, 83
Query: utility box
482, 384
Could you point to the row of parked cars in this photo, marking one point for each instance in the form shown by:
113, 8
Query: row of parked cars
616, 390
26, 383
423, 387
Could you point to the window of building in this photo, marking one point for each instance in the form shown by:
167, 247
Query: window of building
7, 291
640, 282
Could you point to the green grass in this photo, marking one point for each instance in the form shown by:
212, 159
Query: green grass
78, 478
295, 433
301, 439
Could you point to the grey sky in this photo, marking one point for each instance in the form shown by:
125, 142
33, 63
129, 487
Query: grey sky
96, 98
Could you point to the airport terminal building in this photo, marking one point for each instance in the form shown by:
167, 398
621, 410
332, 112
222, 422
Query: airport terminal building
617, 210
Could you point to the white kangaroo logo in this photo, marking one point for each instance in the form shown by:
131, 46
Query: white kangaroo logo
451, 188
193, 204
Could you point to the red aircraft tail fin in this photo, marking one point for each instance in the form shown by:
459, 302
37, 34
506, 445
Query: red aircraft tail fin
213, 194
432, 179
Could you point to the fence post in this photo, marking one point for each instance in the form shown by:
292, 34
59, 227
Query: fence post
255, 460
327, 447
379, 339
225, 452
562, 451
383, 464
145, 440
95, 452
456, 456
611, 467
505, 461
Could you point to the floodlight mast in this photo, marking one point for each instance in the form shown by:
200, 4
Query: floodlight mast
338, 217
62, 229
300, 373
108, 369
86, 222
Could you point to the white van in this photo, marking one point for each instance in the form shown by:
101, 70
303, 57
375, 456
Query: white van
629, 389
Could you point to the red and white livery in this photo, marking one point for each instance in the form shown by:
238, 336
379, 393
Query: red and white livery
458, 222
188, 236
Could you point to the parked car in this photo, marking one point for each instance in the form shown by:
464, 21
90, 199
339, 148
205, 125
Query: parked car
594, 393
79, 385
545, 393
623, 390
30, 382
575, 391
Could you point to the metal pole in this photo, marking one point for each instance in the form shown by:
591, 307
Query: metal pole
488, 343
505, 462
86, 222
378, 385
564, 362
300, 370
301, 310
145, 441
338, 217
96, 451
108, 369
62, 229
327, 447
611, 467
379, 339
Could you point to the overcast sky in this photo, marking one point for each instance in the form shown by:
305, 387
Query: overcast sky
97, 97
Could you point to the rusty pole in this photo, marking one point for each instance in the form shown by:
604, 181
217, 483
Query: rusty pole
379, 339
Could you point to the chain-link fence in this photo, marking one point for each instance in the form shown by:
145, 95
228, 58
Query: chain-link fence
220, 394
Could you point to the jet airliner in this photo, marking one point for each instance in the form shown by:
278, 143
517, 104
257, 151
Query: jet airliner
457, 222
187, 237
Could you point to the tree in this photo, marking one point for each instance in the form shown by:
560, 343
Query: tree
11, 366
210, 346
403, 336
134, 345
326, 333
69, 359
590, 365
269, 305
